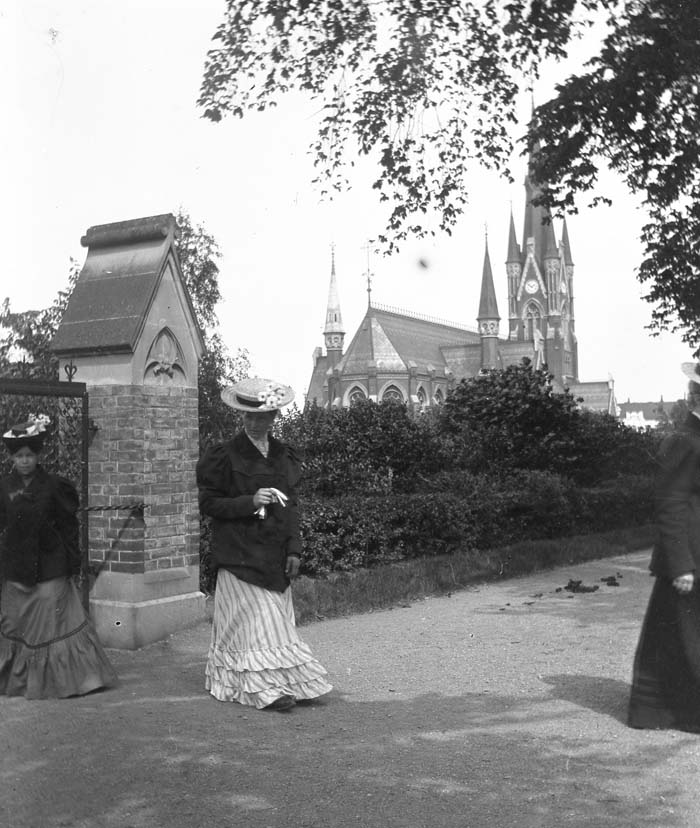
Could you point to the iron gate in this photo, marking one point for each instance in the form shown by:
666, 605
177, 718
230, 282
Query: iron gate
66, 447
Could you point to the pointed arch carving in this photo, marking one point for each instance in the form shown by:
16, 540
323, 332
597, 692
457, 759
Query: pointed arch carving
356, 393
392, 393
165, 363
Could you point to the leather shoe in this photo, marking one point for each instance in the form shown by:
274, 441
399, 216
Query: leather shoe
281, 704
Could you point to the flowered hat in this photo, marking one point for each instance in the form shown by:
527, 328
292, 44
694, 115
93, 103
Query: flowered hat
257, 394
31, 434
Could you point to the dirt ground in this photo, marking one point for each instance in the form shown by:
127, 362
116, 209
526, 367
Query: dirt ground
502, 705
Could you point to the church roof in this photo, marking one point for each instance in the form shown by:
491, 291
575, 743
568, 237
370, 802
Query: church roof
393, 338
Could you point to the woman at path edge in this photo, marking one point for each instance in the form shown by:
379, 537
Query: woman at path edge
666, 679
48, 647
247, 486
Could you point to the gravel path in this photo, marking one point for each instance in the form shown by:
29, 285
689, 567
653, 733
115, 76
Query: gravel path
502, 705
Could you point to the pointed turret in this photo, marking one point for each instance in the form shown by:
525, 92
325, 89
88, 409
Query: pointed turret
513, 247
513, 269
333, 333
488, 317
568, 261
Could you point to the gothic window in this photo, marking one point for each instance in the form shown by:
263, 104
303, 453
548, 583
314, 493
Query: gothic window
392, 394
422, 398
356, 395
532, 318
439, 398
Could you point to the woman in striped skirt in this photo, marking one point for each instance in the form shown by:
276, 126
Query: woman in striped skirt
247, 486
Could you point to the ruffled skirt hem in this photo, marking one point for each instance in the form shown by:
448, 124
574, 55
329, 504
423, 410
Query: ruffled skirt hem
256, 654
48, 647
72, 667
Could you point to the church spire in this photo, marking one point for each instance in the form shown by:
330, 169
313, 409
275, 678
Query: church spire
488, 306
333, 333
488, 317
565, 244
513, 247
534, 224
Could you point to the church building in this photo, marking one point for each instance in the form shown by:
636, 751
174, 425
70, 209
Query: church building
415, 359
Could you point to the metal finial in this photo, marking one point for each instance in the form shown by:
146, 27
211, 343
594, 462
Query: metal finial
368, 274
70, 370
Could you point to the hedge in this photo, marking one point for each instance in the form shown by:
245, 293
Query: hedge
478, 512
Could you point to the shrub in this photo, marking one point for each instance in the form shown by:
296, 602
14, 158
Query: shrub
363, 531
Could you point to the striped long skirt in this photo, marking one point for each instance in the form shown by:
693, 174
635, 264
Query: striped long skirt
48, 647
666, 677
256, 654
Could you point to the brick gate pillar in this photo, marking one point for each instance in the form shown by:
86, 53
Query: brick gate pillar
131, 335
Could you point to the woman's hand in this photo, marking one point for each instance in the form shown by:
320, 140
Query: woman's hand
292, 567
683, 584
264, 497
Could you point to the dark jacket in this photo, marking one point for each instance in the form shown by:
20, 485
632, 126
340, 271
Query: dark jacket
39, 529
677, 501
228, 476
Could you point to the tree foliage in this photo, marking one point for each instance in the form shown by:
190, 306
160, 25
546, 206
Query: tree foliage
25, 347
637, 109
428, 89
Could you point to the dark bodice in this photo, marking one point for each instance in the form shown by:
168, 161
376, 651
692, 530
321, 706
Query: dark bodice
228, 476
39, 531
677, 499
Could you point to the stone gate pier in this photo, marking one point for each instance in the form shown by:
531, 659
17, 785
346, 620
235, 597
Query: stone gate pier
130, 333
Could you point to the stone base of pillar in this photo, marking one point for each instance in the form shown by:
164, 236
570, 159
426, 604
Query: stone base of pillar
126, 625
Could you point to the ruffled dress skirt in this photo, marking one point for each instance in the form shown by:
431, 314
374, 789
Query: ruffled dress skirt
256, 654
48, 647
666, 676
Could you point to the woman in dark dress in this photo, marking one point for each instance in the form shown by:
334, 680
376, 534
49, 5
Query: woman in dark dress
48, 648
666, 677
247, 486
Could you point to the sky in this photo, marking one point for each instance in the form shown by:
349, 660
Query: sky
100, 124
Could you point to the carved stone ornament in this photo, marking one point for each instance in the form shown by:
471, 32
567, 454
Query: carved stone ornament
164, 365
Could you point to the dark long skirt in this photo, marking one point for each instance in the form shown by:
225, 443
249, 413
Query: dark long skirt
666, 677
48, 647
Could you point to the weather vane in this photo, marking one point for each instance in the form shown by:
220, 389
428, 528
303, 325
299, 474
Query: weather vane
368, 274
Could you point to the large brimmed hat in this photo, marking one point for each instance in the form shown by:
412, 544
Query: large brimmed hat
31, 434
692, 371
257, 394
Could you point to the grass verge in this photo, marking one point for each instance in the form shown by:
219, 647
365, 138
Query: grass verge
370, 589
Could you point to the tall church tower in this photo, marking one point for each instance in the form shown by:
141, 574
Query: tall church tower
333, 333
540, 291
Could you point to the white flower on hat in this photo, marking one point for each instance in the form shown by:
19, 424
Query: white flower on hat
38, 423
271, 396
